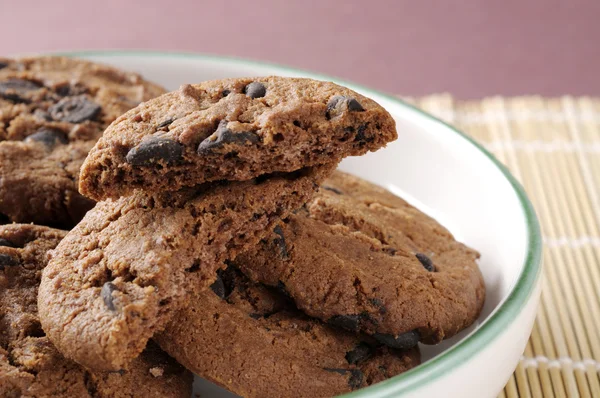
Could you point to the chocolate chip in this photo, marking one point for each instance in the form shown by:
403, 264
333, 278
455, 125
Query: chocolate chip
154, 150
255, 90
13, 89
224, 285
361, 352
165, 123
356, 379
356, 376
49, 137
379, 304
426, 261
4, 219
223, 136
282, 289
107, 289
6, 243
355, 106
7, 261
338, 103
348, 322
42, 115
280, 242
402, 342
332, 189
74, 109
225, 93
3, 64
218, 287
63, 90
390, 250
360, 134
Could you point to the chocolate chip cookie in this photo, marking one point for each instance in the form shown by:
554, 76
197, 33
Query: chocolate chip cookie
52, 111
120, 274
254, 342
363, 259
30, 366
232, 129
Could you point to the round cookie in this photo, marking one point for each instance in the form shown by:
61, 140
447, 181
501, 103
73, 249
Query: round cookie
130, 264
361, 258
233, 129
31, 366
253, 341
52, 111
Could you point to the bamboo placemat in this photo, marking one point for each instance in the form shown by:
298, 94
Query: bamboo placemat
553, 147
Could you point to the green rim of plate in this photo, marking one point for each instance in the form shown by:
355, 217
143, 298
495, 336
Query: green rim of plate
500, 318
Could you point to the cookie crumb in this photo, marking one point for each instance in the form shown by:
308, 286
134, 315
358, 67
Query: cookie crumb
157, 372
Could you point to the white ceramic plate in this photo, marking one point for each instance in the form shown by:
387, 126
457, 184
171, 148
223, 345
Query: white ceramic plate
450, 177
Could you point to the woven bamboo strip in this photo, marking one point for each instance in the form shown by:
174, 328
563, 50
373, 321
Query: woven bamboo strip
553, 147
523, 165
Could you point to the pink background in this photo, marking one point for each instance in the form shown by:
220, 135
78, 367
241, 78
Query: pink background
470, 48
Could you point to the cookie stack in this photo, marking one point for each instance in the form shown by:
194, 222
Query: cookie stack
221, 234
52, 112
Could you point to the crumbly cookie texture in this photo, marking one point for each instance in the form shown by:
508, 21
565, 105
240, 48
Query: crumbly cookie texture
120, 274
361, 258
30, 366
52, 111
253, 341
232, 129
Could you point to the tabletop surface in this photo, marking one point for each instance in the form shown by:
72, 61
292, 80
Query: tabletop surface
470, 48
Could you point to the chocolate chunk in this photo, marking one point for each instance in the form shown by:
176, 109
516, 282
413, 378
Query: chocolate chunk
6, 243
280, 287
338, 103
3, 64
360, 134
356, 379
14, 89
426, 261
225, 93
224, 136
155, 150
255, 90
224, 285
348, 322
49, 137
280, 242
74, 109
379, 304
390, 250
355, 106
218, 287
4, 219
42, 115
361, 352
356, 376
63, 90
165, 123
402, 342
332, 189
107, 289
7, 261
